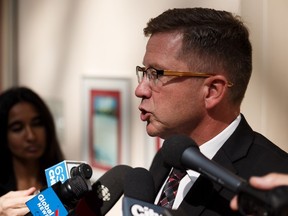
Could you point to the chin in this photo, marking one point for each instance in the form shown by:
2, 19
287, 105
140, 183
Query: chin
33, 156
153, 132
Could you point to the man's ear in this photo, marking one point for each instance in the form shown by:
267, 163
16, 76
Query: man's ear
216, 87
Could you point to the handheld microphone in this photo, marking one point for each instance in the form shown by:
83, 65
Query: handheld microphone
182, 152
65, 170
83, 170
139, 194
58, 199
139, 184
105, 192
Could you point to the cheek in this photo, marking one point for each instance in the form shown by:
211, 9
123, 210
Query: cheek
41, 134
15, 142
183, 104
170, 106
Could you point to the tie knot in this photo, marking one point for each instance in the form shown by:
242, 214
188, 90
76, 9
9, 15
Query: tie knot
178, 174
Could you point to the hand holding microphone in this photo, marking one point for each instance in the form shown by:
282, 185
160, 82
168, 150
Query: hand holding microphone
182, 152
96, 201
59, 198
67, 182
13, 202
274, 182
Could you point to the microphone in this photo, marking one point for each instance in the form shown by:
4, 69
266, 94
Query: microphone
182, 152
65, 170
105, 192
58, 199
139, 194
159, 169
139, 184
83, 170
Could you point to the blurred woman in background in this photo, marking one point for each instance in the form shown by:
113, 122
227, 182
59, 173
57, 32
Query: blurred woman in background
29, 145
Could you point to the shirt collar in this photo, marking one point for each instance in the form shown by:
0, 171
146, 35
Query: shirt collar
210, 148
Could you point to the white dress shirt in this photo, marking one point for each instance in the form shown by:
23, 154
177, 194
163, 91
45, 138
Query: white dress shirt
208, 149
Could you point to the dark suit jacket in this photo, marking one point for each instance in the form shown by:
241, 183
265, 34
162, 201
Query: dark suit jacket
246, 153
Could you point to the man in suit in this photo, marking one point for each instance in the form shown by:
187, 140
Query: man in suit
195, 72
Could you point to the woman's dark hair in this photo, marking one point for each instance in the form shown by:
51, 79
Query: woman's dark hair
52, 154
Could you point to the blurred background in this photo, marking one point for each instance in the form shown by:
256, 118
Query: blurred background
53, 46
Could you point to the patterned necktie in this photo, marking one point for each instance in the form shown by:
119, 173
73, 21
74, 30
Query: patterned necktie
170, 189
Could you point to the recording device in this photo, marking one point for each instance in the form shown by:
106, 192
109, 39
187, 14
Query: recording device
183, 153
139, 194
105, 192
65, 170
58, 199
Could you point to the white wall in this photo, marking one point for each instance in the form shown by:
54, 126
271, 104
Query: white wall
266, 102
60, 42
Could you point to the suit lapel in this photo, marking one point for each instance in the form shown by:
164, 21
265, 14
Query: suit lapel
236, 147
204, 191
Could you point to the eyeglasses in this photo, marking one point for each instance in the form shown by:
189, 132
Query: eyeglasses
153, 74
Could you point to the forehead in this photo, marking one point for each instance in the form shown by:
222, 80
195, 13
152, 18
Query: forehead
22, 110
162, 48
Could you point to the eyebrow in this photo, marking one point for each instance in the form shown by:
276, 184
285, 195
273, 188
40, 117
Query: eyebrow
17, 121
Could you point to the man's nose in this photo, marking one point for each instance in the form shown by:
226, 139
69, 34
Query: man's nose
143, 89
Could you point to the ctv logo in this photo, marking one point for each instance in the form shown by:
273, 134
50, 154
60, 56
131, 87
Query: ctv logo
138, 210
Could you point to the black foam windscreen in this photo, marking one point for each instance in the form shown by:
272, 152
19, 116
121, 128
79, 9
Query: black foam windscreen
173, 148
72, 190
159, 169
139, 184
106, 191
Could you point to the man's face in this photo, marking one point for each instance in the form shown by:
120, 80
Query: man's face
172, 105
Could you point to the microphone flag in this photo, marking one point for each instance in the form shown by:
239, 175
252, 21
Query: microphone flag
134, 207
60, 171
46, 203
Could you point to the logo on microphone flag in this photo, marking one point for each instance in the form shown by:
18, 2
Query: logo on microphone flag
60, 171
46, 203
